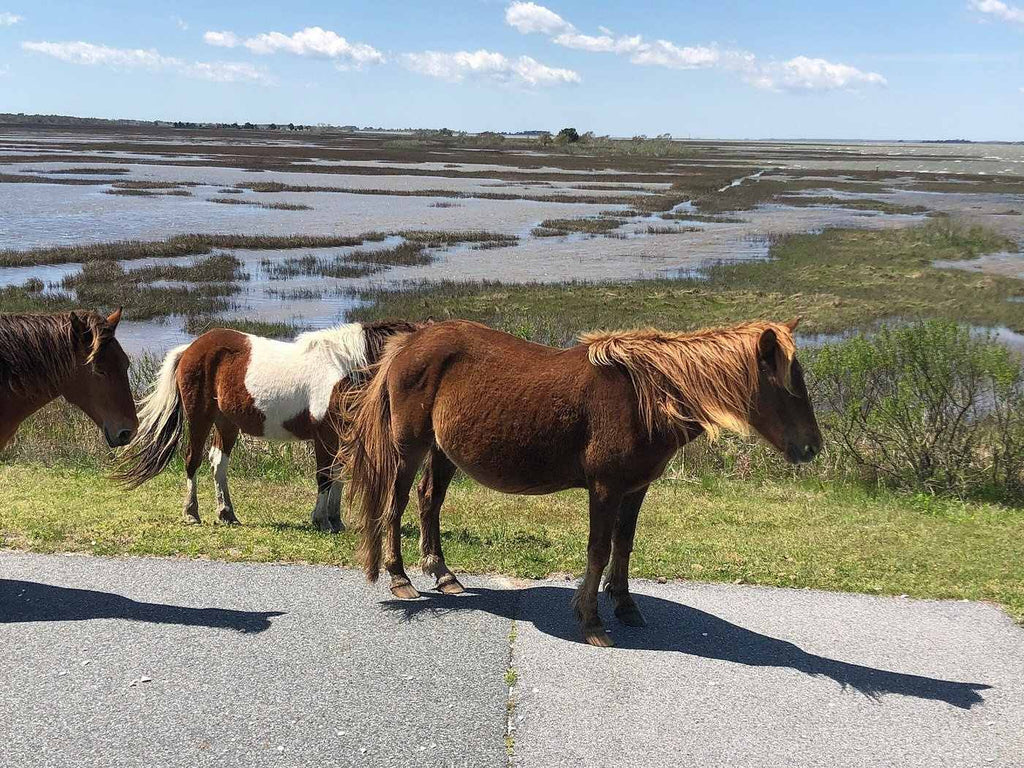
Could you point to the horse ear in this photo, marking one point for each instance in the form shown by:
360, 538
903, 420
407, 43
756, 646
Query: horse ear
81, 331
767, 346
78, 327
792, 324
114, 318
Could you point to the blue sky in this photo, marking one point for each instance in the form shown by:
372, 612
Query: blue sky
732, 69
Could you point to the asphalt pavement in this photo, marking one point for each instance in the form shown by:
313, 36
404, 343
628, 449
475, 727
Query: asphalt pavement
157, 662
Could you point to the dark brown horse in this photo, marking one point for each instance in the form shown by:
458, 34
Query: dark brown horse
606, 415
233, 383
73, 355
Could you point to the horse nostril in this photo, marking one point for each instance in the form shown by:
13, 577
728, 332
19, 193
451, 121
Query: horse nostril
810, 451
124, 436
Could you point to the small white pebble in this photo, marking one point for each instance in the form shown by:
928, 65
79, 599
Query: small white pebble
280, 749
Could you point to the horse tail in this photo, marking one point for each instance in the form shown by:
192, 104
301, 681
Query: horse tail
161, 423
374, 456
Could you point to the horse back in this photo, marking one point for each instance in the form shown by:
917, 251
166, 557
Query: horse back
517, 416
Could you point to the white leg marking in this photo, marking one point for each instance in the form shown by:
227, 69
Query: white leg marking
191, 502
219, 461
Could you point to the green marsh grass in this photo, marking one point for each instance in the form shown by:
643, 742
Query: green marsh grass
836, 280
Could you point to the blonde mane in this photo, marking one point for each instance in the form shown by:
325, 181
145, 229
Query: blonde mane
707, 377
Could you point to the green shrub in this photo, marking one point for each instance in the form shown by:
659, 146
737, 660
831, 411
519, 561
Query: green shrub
929, 406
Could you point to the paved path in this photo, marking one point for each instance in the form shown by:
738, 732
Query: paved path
145, 662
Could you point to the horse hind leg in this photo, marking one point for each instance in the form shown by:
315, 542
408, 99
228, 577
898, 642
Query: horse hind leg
327, 512
438, 471
224, 438
401, 586
199, 429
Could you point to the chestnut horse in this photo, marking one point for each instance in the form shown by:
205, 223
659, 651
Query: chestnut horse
606, 415
73, 355
235, 383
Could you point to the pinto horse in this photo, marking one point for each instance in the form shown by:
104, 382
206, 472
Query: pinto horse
235, 383
606, 415
73, 355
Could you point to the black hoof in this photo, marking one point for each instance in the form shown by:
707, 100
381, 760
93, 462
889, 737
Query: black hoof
324, 526
630, 616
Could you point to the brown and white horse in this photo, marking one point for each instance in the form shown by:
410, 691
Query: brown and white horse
606, 415
73, 355
239, 383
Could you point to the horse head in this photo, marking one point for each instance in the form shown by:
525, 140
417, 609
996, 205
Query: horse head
781, 409
100, 384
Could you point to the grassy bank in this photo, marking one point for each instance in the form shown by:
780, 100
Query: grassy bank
835, 280
793, 533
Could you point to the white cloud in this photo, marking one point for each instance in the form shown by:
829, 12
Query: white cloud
806, 74
455, 67
225, 72
223, 39
312, 41
8, 19
90, 54
998, 9
605, 43
530, 17
180, 22
799, 73
662, 53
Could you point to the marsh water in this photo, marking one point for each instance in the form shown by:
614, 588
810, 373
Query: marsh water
48, 211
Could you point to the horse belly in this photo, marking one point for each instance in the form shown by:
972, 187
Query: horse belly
542, 464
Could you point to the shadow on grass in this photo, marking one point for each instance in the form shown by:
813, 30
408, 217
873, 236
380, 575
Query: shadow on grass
673, 627
29, 601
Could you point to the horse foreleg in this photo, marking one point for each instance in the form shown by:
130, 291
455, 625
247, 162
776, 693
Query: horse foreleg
438, 472
604, 508
220, 454
617, 581
327, 512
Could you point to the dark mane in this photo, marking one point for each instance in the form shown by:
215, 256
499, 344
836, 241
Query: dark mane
39, 352
379, 332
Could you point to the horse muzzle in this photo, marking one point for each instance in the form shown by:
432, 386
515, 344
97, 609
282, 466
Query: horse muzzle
121, 438
802, 453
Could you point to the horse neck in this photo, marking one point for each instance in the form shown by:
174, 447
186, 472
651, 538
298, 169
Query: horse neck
15, 407
706, 392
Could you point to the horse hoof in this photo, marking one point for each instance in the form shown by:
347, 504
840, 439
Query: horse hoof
597, 637
630, 616
192, 520
404, 591
450, 586
337, 526
228, 518
323, 526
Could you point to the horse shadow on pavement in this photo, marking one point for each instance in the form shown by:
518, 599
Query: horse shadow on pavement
29, 601
674, 627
